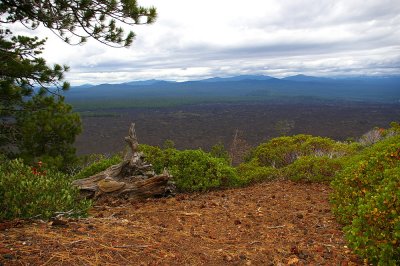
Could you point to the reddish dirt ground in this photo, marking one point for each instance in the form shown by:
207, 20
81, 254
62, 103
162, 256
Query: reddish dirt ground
275, 223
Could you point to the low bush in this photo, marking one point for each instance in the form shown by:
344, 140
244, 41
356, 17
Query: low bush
192, 170
366, 199
282, 151
313, 169
196, 170
159, 158
219, 151
300, 157
372, 137
249, 173
27, 192
98, 166
377, 134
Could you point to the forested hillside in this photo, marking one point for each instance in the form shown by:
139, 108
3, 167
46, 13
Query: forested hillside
155, 93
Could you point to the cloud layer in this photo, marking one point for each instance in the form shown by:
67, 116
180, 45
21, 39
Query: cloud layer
199, 39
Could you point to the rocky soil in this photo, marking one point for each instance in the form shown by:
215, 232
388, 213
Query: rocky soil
274, 223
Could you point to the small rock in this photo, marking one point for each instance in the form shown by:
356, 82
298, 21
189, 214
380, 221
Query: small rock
293, 261
59, 222
294, 250
302, 255
227, 258
327, 255
90, 226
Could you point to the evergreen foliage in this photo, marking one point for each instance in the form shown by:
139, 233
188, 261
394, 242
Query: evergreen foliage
21, 71
192, 170
47, 131
366, 199
282, 151
299, 157
26, 81
196, 170
313, 169
27, 192
76, 21
219, 151
159, 158
98, 166
249, 173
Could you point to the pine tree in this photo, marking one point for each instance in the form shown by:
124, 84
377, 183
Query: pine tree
35, 122
76, 21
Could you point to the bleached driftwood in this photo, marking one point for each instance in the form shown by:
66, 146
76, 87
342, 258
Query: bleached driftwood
132, 178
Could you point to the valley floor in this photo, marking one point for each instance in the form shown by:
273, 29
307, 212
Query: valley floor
202, 126
274, 223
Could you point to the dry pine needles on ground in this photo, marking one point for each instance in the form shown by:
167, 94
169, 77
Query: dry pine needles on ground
265, 224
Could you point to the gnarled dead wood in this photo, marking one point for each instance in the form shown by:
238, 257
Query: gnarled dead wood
132, 178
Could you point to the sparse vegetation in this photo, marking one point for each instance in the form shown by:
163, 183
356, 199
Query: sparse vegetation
365, 178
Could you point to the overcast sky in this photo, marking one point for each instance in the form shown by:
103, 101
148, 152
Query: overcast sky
194, 39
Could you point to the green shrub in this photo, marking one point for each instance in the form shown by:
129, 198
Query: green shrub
279, 152
313, 169
394, 128
26, 192
250, 173
300, 157
98, 166
192, 170
219, 151
159, 158
282, 151
196, 170
366, 199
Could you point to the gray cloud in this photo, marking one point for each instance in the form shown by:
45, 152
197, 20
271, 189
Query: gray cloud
191, 40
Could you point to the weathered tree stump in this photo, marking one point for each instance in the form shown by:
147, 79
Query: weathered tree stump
132, 178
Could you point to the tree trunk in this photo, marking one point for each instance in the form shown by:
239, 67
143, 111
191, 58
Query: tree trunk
132, 178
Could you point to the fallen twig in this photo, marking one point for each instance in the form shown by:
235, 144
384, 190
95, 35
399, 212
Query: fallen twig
132, 246
191, 214
275, 227
77, 241
61, 214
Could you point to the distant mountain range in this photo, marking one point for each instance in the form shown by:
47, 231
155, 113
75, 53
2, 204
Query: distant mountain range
247, 88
